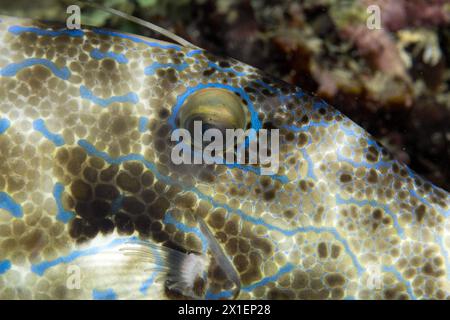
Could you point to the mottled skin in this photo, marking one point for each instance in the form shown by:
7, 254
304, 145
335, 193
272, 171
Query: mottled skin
80, 169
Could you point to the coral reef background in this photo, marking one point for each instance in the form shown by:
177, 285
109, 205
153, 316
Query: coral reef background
393, 81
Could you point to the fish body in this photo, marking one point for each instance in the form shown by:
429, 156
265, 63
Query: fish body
91, 205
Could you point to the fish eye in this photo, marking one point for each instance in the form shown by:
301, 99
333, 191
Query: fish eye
216, 108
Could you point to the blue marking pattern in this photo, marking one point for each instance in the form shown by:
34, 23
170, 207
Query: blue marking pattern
374, 204
193, 52
151, 69
414, 194
90, 149
62, 214
181, 226
99, 55
218, 68
4, 125
143, 123
88, 95
107, 294
7, 203
400, 278
136, 39
12, 69
5, 265
17, 30
227, 294
39, 125
307, 158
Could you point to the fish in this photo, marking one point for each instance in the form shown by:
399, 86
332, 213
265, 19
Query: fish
93, 207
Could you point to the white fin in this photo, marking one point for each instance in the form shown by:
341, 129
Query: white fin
131, 269
184, 273
149, 25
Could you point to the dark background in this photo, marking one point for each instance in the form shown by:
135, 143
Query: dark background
394, 82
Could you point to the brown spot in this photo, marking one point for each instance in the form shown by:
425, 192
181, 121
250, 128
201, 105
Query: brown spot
334, 280
127, 182
109, 173
263, 244
134, 167
108, 64
269, 195
290, 136
187, 200
81, 191
90, 174
345, 178
119, 126
253, 273
377, 214
373, 177
420, 212
132, 205
231, 227
217, 219
106, 191
289, 214
278, 294
159, 208
300, 280
322, 250
147, 178
241, 262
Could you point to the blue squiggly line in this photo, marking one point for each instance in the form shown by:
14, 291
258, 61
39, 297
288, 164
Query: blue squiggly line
90, 149
306, 156
7, 203
181, 226
148, 283
87, 94
257, 171
39, 125
62, 214
400, 278
373, 203
5, 265
120, 58
151, 69
227, 294
306, 127
136, 39
218, 68
108, 294
365, 164
42, 32
4, 125
193, 52
413, 193
143, 123
11, 69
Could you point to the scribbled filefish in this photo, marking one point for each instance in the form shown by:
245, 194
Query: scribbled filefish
91, 205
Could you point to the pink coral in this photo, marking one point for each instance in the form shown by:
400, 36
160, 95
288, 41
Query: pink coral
399, 14
378, 47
